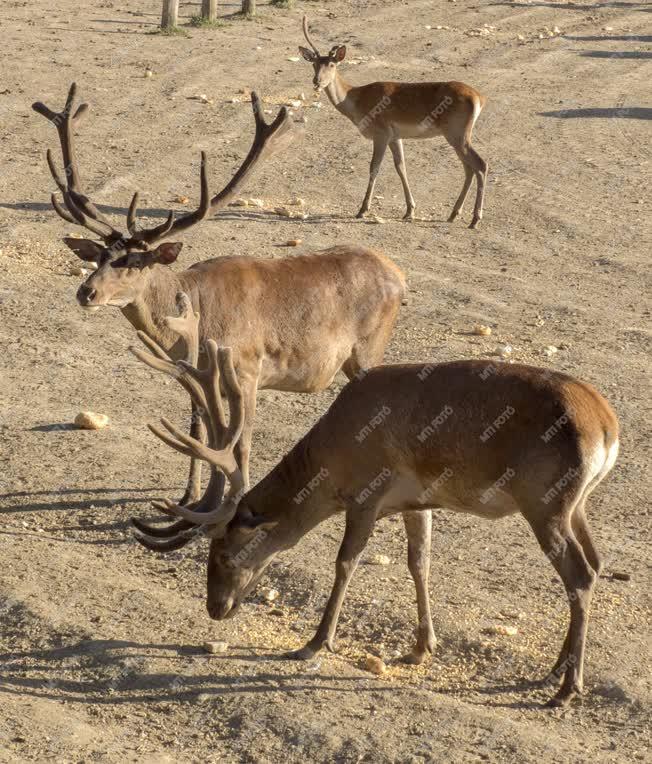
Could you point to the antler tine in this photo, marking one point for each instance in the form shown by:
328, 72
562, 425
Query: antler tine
233, 394
187, 325
61, 211
307, 35
268, 139
132, 225
79, 205
185, 221
168, 367
169, 545
108, 233
218, 517
160, 531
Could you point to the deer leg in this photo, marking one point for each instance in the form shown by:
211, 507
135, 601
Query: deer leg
580, 527
480, 168
474, 164
396, 147
193, 486
380, 147
468, 179
418, 526
567, 556
359, 525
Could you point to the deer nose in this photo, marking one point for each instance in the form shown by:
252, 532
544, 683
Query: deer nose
219, 609
85, 294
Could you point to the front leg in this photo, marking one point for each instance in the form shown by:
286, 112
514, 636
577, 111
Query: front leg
359, 525
380, 147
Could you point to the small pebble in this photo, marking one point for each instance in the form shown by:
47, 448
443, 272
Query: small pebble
270, 595
620, 575
216, 648
375, 665
482, 330
504, 351
502, 630
88, 420
379, 559
293, 242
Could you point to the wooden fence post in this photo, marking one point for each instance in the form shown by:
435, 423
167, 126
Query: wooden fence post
170, 16
209, 9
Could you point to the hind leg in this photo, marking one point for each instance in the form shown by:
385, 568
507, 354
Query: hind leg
474, 165
418, 526
580, 528
556, 537
468, 179
480, 168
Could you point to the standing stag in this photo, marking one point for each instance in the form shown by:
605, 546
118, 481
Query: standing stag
388, 112
471, 436
292, 322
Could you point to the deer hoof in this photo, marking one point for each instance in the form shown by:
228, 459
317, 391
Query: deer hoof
452, 216
361, 214
563, 697
409, 216
304, 654
415, 658
475, 223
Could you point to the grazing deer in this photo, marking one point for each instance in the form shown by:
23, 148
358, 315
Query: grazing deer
388, 112
491, 439
292, 322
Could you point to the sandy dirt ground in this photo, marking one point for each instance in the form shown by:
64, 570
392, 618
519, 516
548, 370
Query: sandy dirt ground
101, 653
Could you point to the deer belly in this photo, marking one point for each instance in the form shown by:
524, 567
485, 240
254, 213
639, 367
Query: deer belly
306, 374
425, 128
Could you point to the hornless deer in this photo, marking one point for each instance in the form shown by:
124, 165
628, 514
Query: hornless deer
490, 439
388, 112
292, 323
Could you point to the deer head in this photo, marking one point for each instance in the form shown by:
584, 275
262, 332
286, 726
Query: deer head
325, 67
124, 260
234, 560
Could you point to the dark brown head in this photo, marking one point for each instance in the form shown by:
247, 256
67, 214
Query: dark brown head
236, 562
325, 67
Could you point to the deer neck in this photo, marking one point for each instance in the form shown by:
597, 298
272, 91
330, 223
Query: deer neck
157, 301
338, 92
296, 496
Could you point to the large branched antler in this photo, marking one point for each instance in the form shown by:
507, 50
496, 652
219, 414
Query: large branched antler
203, 387
268, 139
80, 209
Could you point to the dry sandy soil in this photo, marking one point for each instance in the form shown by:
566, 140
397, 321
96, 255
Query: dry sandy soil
101, 642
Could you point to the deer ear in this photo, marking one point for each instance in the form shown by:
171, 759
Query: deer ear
309, 55
85, 249
166, 253
340, 53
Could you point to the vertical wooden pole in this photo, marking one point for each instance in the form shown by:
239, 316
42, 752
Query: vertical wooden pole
170, 16
249, 7
209, 9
